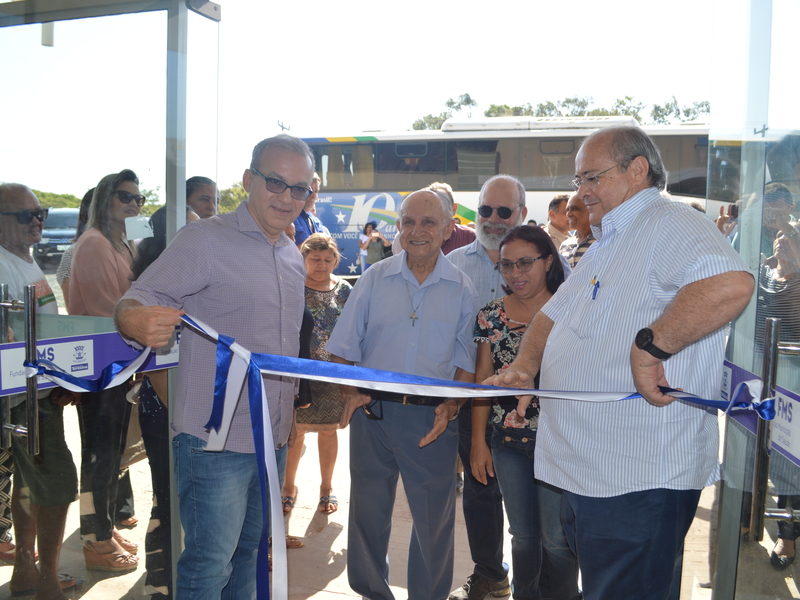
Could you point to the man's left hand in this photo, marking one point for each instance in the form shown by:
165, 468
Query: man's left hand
648, 375
444, 412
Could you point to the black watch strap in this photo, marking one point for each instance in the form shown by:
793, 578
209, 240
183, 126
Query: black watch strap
644, 341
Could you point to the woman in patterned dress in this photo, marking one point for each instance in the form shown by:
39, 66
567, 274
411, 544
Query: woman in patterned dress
532, 271
325, 296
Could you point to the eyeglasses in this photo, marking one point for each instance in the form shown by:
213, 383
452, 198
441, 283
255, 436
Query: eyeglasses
277, 186
589, 182
126, 197
26, 216
502, 211
506, 267
371, 415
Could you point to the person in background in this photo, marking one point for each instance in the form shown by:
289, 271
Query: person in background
532, 222
65, 266
578, 218
100, 275
532, 272
307, 223
326, 295
44, 485
557, 226
372, 243
202, 196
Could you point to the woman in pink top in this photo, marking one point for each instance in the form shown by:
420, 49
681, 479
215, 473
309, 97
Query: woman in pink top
101, 271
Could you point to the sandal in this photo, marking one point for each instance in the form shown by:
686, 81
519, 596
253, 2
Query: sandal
126, 544
128, 523
113, 561
288, 503
66, 581
294, 542
325, 501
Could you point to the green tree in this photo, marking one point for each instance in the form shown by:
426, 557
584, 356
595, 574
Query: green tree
575, 107
231, 197
696, 110
547, 109
431, 121
662, 114
504, 110
52, 200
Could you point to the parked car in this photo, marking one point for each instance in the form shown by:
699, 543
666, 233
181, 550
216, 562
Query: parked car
60, 228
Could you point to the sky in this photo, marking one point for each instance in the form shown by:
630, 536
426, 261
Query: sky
94, 102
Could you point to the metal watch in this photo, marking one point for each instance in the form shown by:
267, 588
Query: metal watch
644, 341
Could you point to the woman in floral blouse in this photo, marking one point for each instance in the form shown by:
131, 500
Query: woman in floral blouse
532, 271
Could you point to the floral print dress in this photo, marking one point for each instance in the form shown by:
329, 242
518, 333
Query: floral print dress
326, 407
504, 335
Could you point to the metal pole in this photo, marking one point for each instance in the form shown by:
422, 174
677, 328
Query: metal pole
763, 433
30, 356
5, 405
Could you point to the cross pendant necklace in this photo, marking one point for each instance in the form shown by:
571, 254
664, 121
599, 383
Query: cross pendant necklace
414, 309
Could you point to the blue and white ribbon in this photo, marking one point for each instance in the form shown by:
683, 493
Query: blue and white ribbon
236, 365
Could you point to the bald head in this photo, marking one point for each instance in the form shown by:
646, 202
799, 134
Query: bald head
425, 223
23, 228
11, 194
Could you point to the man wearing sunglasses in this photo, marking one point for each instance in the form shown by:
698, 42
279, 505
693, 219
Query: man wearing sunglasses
501, 206
251, 287
411, 313
646, 308
45, 485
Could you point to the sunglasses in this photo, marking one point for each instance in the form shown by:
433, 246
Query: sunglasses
502, 211
26, 216
126, 197
372, 415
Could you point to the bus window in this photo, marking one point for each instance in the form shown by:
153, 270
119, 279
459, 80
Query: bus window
547, 164
343, 166
410, 166
477, 161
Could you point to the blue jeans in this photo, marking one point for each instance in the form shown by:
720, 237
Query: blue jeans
560, 562
630, 542
483, 508
219, 496
512, 455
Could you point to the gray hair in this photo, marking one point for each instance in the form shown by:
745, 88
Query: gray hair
626, 144
281, 142
444, 202
445, 189
511, 178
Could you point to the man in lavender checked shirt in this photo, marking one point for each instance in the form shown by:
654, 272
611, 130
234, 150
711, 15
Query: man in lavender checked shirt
240, 274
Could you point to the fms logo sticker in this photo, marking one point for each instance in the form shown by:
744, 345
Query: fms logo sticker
79, 359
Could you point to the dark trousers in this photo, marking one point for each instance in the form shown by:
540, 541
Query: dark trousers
630, 546
483, 508
154, 421
103, 420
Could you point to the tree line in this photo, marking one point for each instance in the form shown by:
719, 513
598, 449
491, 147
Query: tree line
670, 111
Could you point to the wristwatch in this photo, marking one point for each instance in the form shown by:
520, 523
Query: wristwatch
644, 341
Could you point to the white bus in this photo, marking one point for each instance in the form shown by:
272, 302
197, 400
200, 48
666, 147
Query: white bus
365, 177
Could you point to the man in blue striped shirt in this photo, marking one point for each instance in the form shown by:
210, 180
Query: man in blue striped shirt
646, 309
